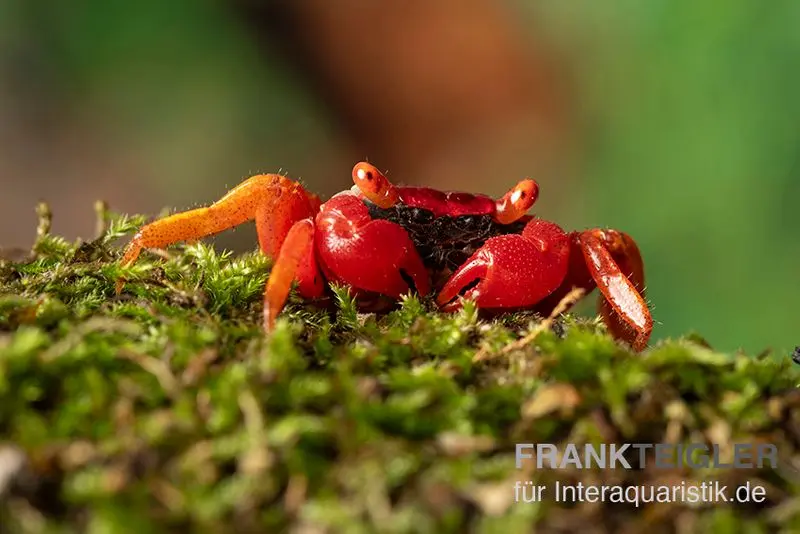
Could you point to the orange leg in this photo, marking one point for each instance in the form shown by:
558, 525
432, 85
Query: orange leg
615, 264
273, 200
295, 261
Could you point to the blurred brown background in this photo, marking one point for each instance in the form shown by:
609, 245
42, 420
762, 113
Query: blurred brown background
675, 122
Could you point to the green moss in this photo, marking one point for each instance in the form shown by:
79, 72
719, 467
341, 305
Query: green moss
166, 407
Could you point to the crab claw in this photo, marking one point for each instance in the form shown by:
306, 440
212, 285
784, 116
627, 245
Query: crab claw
511, 271
369, 255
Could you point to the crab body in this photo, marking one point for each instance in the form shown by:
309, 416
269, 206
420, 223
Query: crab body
384, 241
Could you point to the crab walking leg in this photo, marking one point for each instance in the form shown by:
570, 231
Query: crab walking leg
279, 213
614, 262
260, 194
294, 261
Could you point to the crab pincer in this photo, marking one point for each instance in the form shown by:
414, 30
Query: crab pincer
369, 255
511, 271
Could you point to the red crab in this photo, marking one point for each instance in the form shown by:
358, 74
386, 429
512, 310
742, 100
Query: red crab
385, 240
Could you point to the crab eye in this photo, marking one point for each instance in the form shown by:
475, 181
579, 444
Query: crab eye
374, 185
516, 202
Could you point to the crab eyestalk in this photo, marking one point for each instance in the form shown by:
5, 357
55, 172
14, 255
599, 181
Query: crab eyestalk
516, 203
374, 185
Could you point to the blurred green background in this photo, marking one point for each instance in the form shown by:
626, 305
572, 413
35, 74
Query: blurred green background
678, 122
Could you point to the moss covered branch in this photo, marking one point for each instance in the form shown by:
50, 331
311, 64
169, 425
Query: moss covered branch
166, 408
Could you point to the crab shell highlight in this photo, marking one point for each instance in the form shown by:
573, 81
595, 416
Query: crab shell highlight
384, 240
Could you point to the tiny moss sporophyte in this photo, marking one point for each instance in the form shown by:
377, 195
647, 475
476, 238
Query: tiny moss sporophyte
384, 240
